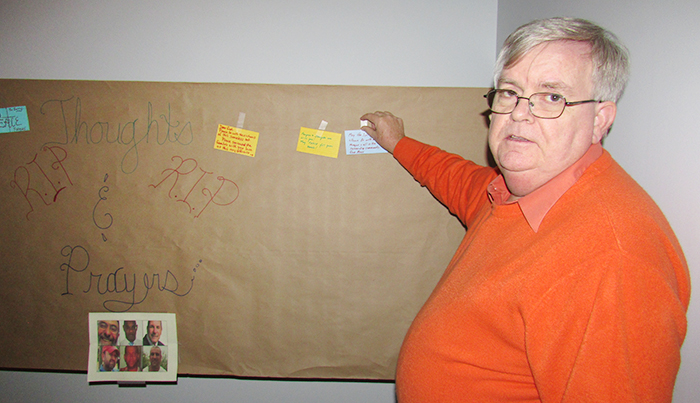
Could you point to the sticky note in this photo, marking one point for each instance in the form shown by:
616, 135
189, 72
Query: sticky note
14, 119
358, 142
313, 141
235, 140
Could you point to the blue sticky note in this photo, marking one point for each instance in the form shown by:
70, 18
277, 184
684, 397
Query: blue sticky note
358, 142
14, 119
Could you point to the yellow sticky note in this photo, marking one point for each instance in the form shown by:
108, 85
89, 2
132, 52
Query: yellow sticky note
314, 141
235, 140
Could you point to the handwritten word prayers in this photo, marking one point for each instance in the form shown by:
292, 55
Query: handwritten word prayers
188, 176
313, 141
236, 140
117, 282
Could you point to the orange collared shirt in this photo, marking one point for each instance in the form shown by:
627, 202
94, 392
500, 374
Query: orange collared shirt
536, 204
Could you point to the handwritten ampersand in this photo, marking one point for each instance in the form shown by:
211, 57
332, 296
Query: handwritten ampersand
103, 224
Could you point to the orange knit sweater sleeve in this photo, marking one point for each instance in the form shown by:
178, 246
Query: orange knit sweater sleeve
449, 177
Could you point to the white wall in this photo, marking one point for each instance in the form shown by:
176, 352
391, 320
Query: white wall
656, 137
364, 42
357, 42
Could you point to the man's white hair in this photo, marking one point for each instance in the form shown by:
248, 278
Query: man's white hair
610, 57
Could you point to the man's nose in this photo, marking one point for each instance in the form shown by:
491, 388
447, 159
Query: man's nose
522, 110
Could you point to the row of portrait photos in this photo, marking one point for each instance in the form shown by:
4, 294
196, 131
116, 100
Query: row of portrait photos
132, 358
131, 332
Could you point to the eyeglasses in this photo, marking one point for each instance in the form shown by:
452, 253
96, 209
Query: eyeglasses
543, 105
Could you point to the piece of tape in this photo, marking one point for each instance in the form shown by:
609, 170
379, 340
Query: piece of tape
322, 128
241, 120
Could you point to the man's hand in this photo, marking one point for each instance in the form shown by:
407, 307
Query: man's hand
385, 128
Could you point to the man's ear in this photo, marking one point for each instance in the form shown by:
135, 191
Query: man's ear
604, 118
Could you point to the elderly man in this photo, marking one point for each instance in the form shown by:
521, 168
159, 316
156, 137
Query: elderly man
569, 285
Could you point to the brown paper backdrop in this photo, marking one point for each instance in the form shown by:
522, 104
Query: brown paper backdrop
116, 200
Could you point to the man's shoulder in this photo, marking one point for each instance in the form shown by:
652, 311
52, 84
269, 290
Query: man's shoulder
606, 185
607, 202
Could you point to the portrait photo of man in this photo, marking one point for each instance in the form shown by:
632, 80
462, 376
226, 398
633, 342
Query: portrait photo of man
155, 360
154, 333
109, 357
108, 332
130, 336
131, 359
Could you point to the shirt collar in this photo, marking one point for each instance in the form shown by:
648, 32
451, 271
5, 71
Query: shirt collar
538, 203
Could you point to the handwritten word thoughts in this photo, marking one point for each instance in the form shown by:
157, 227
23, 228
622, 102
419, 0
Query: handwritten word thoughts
131, 133
124, 288
187, 177
37, 183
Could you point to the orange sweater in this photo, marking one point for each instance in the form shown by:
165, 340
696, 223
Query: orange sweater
590, 308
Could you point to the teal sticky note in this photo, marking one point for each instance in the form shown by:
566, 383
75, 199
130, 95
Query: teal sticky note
14, 119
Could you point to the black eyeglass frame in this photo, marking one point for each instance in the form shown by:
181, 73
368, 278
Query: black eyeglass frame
529, 105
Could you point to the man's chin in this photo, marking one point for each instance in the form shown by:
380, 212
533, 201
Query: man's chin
517, 165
